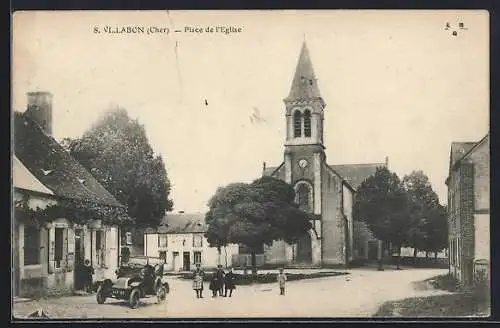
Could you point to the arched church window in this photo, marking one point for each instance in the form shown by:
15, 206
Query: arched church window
307, 123
304, 197
297, 124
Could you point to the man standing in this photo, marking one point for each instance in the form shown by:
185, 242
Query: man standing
220, 280
89, 272
229, 283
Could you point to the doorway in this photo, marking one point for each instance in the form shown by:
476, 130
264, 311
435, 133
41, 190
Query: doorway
175, 257
186, 261
304, 249
79, 259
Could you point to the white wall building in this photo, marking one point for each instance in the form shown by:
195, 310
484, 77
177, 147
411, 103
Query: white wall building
180, 241
45, 254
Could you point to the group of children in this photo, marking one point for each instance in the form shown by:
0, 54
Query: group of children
221, 282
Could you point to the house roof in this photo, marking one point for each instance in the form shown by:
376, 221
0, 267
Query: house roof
182, 223
53, 166
460, 150
304, 84
355, 174
22, 178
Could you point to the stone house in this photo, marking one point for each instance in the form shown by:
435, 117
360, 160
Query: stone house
180, 241
469, 209
46, 178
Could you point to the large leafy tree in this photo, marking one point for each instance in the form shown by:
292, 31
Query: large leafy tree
381, 202
255, 214
424, 211
436, 229
117, 152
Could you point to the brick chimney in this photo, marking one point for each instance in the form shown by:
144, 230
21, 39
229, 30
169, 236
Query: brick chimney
40, 109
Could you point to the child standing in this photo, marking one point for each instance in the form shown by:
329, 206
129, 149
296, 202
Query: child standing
281, 281
214, 283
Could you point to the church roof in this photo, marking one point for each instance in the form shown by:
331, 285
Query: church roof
304, 84
53, 166
268, 171
182, 223
355, 174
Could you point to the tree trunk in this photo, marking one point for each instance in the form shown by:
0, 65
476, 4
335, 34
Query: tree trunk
435, 257
380, 251
254, 263
415, 252
398, 260
225, 255
426, 254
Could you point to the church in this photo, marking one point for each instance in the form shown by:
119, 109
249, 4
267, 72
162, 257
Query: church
327, 191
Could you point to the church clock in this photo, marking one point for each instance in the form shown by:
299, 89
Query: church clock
303, 163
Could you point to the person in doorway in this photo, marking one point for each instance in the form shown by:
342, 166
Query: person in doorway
229, 283
89, 272
220, 280
198, 281
214, 283
281, 281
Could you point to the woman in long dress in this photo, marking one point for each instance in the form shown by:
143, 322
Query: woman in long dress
198, 281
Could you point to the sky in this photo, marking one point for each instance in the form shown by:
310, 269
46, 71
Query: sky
395, 83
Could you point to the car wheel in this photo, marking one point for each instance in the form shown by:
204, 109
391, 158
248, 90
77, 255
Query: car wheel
101, 296
134, 297
161, 293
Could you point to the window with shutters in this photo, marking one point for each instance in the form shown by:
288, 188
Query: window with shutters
128, 238
162, 240
197, 241
197, 257
297, 124
58, 248
163, 255
307, 123
31, 245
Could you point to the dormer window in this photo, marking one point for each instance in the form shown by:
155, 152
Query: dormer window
46, 172
297, 124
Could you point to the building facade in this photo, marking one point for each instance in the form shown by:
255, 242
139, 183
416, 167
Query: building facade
469, 208
328, 191
180, 241
46, 255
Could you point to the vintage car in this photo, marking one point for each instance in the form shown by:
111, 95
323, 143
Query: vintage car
140, 277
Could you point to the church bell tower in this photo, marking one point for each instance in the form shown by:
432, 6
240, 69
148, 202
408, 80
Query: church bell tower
304, 149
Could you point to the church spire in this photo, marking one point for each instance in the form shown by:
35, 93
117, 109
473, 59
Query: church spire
304, 84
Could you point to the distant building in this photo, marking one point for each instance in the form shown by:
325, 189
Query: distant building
327, 191
469, 208
45, 256
181, 242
